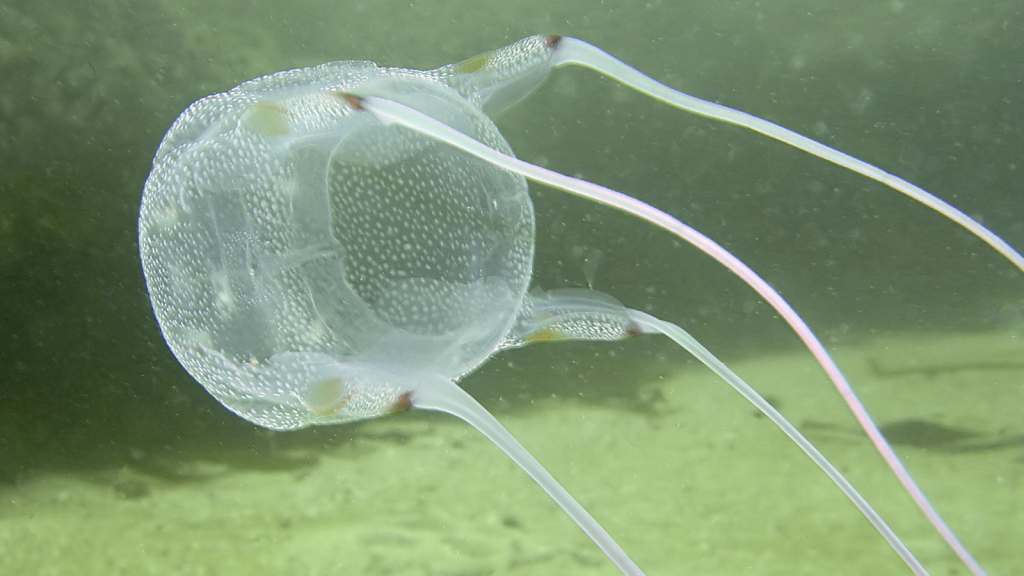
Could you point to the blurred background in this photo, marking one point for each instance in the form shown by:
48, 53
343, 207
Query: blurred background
930, 91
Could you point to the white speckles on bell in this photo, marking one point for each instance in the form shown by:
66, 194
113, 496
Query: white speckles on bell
224, 300
284, 234
198, 339
167, 217
318, 330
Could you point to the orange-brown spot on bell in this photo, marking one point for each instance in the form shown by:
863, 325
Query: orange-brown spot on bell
402, 404
326, 396
349, 98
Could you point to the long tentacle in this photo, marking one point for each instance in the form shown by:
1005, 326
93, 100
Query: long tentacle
393, 113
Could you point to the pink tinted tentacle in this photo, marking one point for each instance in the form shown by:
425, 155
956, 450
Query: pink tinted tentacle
573, 51
391, 112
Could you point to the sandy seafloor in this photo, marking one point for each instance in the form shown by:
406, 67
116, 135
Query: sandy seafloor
697, 484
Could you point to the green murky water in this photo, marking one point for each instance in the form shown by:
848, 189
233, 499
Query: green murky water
112, 461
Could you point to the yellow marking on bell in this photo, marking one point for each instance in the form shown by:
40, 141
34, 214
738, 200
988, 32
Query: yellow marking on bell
267, 119
544, 335
326, 396
473, 64
318, 330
